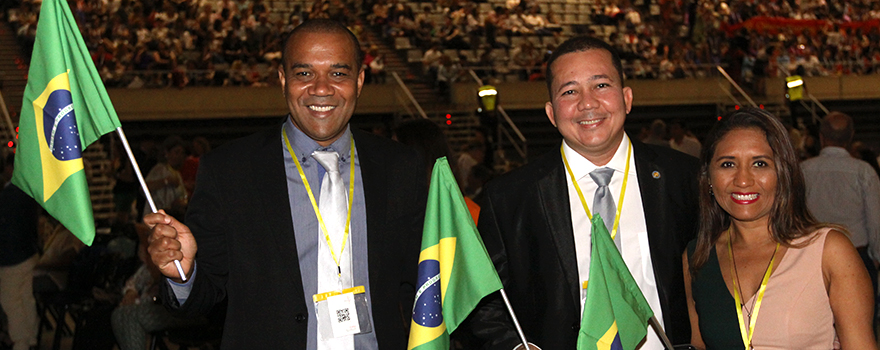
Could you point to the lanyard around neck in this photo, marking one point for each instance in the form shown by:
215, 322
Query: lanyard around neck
581, 194
315, 203
747, 337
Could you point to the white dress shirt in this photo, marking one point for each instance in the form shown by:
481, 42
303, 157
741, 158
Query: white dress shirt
632, 228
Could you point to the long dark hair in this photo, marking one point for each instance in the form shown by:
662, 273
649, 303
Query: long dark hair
789, 218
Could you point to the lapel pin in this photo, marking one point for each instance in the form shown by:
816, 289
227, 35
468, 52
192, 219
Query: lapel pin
656, 174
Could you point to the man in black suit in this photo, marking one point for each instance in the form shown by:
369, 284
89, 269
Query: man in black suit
535, 226
256, 215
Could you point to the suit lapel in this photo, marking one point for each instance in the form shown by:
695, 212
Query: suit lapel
375, 200
652, 187
553, 196
651, 182
271, 181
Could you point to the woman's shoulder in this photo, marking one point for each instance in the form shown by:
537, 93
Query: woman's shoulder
837, 241
818, 235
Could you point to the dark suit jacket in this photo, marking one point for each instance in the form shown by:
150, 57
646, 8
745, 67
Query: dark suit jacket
240, 216
526, 225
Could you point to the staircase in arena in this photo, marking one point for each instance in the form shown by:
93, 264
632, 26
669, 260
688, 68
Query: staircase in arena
13, 70
423, 92
100, 174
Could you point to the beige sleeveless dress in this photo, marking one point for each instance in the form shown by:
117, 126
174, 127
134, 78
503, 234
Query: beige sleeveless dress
796, 312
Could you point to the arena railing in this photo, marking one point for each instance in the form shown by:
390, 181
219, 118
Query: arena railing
409, 98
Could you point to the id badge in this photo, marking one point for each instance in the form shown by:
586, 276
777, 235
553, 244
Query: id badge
343, 313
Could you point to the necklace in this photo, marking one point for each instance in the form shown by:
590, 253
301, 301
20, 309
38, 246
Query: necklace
739, 285
747, 334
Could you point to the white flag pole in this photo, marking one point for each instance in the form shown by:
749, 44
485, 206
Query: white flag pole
146, 190
659, 330
519, 330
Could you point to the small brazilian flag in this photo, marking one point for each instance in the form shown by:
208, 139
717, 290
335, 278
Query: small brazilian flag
65, 109
455, 271
615, 312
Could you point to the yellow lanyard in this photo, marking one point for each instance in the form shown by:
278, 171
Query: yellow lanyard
747, 337
581, 194
315, 203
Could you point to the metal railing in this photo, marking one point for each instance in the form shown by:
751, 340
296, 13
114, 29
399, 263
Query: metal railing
813, 99
735, 85
521, 146
408, 97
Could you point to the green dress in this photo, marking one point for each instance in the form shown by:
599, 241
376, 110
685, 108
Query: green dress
715, 306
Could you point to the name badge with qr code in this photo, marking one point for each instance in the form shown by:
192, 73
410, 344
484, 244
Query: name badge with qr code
343, 313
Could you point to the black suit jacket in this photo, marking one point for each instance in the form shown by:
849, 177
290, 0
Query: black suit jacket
526, 225
240, 216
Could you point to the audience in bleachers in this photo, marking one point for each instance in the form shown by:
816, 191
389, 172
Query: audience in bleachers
139, 43
180, 43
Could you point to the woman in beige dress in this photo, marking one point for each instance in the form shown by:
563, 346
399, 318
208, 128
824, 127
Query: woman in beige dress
762, 273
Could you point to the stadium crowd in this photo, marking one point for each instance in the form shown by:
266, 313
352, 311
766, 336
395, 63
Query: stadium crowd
137, 43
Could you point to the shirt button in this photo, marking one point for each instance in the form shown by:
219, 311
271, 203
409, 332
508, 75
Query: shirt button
300, 318
575, 326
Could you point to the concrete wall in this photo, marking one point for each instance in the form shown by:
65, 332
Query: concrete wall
231, 102
199, 103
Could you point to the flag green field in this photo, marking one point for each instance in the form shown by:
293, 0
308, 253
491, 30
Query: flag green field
65, 109
615, 311
455, 271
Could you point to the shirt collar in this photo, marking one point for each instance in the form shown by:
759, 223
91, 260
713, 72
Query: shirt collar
304, 146
834, 151
581, 166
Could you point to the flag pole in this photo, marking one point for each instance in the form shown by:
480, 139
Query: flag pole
137, 171
659, 330
519, 330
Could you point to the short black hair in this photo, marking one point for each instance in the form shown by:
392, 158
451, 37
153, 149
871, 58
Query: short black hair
837, 129
580, 44
171, 142
327, 26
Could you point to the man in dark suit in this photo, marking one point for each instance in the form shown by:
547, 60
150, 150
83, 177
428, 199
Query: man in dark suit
258, 216
535, 226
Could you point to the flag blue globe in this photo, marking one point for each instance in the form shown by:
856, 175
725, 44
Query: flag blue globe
427, 311
59, 126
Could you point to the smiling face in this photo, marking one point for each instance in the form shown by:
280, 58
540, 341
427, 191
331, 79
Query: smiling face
588, 103
743, 175
321, 80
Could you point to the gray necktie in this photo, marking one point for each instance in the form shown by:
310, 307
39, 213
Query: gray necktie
603, 203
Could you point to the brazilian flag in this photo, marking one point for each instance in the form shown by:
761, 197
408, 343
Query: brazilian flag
65, 109
455, 271
615, 312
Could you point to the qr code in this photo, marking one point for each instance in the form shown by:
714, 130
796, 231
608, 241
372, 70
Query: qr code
343, 315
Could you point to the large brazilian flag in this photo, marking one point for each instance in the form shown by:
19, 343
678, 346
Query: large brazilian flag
615, 312
455, 271
65, 109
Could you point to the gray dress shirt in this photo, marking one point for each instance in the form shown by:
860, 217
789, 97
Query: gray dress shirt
305, 223
846, 191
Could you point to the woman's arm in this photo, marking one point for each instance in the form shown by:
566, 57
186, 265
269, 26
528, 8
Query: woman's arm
696, 337
850, 292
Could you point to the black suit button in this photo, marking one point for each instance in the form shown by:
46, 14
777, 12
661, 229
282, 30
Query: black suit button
575, 326
300, 318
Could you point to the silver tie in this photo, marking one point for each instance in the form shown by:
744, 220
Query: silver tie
333, 205
603, 203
